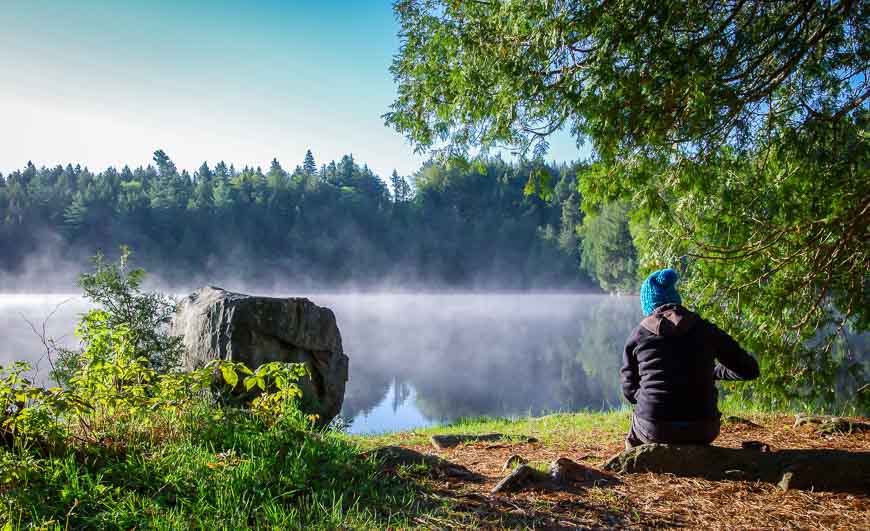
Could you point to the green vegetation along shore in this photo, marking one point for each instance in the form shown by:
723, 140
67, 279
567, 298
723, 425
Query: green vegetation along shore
211, 468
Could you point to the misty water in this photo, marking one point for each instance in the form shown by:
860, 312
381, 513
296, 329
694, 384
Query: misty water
423, 359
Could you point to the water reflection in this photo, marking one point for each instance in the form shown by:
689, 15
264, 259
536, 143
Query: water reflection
466, 355
422, 359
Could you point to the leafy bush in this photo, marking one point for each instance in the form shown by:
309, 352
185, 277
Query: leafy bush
143, 316
113, 388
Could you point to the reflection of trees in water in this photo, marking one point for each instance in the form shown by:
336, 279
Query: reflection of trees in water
602, 335
531, 383
509, 357
463, 355
366, 388
402, 391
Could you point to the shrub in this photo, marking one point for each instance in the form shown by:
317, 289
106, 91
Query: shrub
122, 304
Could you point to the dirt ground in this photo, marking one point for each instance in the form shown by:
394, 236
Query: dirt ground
649, 500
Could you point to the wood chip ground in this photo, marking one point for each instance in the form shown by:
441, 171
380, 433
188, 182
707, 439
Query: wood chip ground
644, 501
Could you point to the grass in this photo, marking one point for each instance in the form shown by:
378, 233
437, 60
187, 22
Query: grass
228, 473
550, 429
737, 404
234, 471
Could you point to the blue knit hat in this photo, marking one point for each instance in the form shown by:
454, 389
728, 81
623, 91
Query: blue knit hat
658, 289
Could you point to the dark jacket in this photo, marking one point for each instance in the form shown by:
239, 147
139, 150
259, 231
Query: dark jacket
669, 365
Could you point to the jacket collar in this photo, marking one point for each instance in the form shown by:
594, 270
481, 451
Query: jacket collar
670, 320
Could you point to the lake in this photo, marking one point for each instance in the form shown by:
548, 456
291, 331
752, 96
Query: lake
423, 359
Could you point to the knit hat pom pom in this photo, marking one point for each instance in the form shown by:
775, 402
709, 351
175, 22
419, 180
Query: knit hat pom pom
667, 278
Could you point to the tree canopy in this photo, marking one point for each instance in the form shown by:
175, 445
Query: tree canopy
339, 226
736, 132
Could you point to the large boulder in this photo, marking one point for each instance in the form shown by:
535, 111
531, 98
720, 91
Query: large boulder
218, 324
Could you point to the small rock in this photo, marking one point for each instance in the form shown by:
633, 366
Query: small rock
566, 471
524, 477
513, 462
564, 474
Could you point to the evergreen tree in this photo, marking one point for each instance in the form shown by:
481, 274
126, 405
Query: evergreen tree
202, 198
165, 192
260, 186
76, 214
131, 198
346, 171
203, 173
126, 174
221, 172
224, 194
330, 174
277, 177
165, 166
401, 188
308, 165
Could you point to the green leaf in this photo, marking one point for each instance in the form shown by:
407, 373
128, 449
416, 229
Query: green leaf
230, 375
530, 188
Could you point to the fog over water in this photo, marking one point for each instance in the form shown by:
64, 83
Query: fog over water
420, 359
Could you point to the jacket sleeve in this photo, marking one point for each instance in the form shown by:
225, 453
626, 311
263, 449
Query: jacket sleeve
734, 363
629, 372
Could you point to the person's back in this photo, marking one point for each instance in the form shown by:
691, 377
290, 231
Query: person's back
669, 368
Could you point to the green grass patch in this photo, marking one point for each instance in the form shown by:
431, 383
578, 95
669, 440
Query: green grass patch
227, 473
737, 404
550, 429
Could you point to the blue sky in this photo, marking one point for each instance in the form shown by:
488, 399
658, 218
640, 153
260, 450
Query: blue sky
102, 83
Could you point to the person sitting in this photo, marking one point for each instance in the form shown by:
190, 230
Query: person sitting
669, 368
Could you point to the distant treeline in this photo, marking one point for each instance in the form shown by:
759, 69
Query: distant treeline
337, 225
